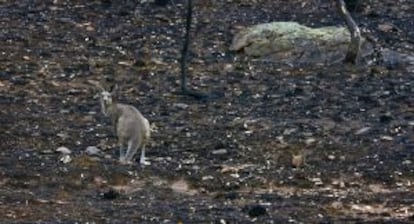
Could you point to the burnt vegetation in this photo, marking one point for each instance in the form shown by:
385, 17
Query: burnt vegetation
318, 144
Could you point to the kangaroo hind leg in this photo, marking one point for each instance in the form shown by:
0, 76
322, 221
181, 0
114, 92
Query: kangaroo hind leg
131, 151
121, 152
142, 159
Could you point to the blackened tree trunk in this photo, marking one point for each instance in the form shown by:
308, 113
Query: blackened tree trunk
355, 44
184, 56
184, 52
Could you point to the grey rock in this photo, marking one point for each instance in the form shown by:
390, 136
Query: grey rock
92, 150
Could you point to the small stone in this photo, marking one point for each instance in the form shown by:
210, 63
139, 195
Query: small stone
219, 152
309, 141
63, 150
289, 131
407, 162
209, 177
181, 186
195, 167
386, 27
189, 161
331, 157
362, 130
181, 105
386, 138
92, 150
228, 67
90, 28
66, 159
317, 181
63, 135
99, 181
337, 205
145, 1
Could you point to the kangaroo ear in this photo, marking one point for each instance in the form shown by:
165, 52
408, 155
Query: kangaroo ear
113, 89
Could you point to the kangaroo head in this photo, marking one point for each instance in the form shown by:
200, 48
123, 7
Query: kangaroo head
106, 97
106, 101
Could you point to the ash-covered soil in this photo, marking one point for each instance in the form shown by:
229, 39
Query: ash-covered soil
226, 160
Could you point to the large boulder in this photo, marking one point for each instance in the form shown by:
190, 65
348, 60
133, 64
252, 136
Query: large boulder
292, 43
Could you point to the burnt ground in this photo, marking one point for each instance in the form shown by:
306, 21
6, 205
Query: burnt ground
227, 160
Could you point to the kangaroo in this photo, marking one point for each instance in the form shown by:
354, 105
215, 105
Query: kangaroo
131, 127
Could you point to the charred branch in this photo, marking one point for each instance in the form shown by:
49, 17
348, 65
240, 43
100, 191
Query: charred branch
184, 56
355, 44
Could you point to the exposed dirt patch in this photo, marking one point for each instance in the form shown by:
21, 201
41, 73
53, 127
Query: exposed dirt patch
223, 161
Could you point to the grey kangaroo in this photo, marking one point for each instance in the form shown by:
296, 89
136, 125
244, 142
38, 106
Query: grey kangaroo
130, 126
